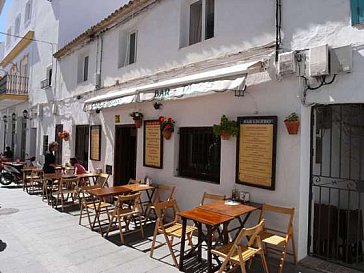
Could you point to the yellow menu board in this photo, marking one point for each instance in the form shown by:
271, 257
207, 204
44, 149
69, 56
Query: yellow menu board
153, 145
95, 142
256, 151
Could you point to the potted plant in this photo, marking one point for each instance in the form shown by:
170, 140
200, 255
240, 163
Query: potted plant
167, 126
292, 123
65, 135
138, 118
226, 128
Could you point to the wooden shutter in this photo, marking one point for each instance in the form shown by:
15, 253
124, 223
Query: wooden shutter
357, 11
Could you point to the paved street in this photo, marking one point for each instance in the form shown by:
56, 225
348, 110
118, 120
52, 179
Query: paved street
36, 238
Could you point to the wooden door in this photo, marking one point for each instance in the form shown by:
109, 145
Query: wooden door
82, 144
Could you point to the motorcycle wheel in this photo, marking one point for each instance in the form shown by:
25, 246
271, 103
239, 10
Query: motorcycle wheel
6, 179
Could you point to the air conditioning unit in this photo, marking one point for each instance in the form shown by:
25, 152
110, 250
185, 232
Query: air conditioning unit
341, 60
318, 61
286, 63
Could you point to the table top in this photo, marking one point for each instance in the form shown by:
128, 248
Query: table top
219, 206
138, 187
32, 169
87, 175
111, 191
205, 216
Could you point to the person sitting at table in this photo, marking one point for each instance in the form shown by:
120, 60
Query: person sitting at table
8, 154
50, 158
79, 169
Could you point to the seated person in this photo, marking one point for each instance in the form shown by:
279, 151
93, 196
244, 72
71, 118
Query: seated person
8, 154
79, 169
50, 158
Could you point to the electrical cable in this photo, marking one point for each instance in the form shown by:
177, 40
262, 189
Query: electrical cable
30, 39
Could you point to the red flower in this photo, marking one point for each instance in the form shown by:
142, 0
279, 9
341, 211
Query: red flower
168, 126
161, 119
169, 119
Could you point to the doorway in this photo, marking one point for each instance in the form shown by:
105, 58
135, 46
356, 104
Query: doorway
58, 139
337, 184
125, 154
81, 145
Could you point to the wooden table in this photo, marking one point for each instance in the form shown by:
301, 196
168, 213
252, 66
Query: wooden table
212, 220
102, 194
236, 211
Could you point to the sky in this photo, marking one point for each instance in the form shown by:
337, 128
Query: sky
3, 19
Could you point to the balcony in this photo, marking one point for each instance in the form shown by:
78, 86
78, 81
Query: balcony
13, 89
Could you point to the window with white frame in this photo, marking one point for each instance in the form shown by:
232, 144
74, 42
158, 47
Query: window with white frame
17, 25
83, 68
8, 37
127, 48
28, 12
202, 20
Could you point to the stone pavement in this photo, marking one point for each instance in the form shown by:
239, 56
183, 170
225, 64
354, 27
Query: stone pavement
36, 238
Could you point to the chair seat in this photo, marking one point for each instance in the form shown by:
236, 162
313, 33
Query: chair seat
272, 239
176, 230
247, 252
91, 205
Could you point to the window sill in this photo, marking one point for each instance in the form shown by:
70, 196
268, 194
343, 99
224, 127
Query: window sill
199, 44
127, 65
358, 25
198, 180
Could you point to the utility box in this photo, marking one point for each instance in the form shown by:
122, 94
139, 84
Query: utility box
318, 61
286, 63
341, 60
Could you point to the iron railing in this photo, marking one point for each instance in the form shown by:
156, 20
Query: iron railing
14, 85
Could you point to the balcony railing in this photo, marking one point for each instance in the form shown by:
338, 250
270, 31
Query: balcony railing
14, 85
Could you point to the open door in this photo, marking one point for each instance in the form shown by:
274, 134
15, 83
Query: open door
125, 154
82, 143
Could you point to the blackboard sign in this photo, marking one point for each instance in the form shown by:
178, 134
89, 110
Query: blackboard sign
256, 151
108, 169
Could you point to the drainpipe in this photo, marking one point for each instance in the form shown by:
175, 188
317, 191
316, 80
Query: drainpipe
278, 27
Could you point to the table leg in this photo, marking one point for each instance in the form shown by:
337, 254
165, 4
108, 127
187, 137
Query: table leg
183, 240
199, 251
97, 216
209, 247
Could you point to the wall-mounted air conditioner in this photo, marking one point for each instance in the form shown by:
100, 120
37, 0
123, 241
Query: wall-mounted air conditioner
318, 61
286, 63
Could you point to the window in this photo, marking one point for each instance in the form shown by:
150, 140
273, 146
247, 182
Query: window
8, 37
357, 12
199, 154
85, 69
17, 25
49, 75
28, 12
127, 48
202, 21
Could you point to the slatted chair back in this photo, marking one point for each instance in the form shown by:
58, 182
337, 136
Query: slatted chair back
163, 193
238, 253
128, 203
275, 239
209, 197
134, 181
162, 210
102, 180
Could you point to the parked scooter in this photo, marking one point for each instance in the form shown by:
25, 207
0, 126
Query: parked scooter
12, 172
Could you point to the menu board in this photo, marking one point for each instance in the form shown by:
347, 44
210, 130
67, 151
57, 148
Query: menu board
95, 142
153, 144
256, 151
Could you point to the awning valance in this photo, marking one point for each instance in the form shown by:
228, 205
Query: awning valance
219, 80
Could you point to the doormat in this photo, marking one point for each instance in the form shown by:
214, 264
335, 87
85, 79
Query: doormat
324, 266
7, 211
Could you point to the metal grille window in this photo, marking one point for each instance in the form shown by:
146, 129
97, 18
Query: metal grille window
199, 154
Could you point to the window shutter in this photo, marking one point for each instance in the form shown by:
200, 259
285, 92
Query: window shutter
360, 11
357, 11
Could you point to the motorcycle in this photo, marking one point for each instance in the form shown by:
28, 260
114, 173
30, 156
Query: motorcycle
11, 172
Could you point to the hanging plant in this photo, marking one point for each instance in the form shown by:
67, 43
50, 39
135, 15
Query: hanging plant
138, 118
226, 128
292, 123
65, 135
167, 126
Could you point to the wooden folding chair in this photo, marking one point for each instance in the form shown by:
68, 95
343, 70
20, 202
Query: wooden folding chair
278, 240
88, 202
162, 193
66, 189
102, 179
238, 253
50, 185
208, 197
128, 209
134, 181
170, 230
36, 180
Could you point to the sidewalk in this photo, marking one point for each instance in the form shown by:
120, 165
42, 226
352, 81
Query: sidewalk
36, 238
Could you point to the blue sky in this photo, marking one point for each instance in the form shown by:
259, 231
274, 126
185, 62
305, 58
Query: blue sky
3, 19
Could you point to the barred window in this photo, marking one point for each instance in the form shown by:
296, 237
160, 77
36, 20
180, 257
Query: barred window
199, 154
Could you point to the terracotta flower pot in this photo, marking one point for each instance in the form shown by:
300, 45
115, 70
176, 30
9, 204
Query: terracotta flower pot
138, 123
66, 138
225, 135
292, 126
167, 134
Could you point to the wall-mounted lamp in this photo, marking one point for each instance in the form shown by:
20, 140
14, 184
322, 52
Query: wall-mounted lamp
5, 119
13, 116
98, 111
157, 105
25, 114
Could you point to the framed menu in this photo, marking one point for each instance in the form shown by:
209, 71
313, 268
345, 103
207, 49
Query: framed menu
256, 151
153, 144
95, 142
